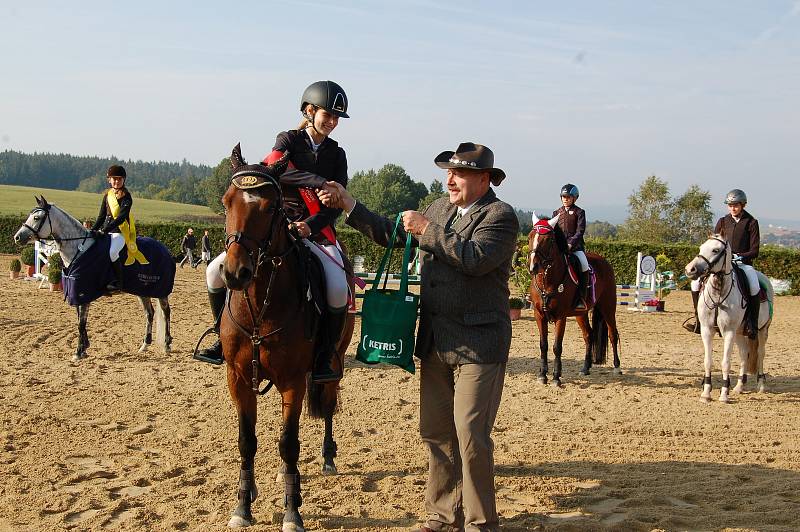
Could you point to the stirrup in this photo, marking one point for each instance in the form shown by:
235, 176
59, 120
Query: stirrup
202, 354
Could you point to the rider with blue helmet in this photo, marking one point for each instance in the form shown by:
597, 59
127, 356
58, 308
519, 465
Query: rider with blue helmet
572, 221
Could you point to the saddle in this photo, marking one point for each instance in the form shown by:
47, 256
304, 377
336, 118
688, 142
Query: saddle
313, 288
573, 267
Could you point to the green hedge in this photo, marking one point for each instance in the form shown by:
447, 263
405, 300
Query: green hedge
780, 263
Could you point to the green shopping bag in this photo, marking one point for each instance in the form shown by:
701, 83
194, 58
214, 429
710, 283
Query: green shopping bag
389, 317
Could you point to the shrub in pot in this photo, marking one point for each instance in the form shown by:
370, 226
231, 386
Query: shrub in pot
14, 268
54, 267
516, 304
28, 258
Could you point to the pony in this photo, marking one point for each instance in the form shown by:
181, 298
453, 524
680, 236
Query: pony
264, 330
723, 303
553, 290
74, 242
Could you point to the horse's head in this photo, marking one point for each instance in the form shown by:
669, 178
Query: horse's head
714, 257
253, 217
545, 242
38, 226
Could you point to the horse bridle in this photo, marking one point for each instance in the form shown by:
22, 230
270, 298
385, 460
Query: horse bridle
259, 255
715, 260
548, 264
35, 232
718, 274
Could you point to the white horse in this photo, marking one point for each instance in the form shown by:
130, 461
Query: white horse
48, 222
722, 303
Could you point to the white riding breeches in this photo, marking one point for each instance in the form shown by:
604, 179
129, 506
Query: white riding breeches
335, 278
752, 280
584, 261
117, 243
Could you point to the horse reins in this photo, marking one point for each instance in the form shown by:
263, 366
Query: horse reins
46, 211
261, 257
548, 264
719, 275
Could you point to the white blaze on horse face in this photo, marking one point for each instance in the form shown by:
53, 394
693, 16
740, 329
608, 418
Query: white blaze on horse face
250, 198
534, 244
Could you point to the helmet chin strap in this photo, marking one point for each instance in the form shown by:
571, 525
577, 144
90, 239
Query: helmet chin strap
311, 120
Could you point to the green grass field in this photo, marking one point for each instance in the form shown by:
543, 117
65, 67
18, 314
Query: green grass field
82, 205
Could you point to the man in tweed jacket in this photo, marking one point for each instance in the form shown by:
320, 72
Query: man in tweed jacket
466, 242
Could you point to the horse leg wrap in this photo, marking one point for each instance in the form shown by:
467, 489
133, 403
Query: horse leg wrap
744, 378
292, 497
706, 380
247, 484
726, 383
329, 448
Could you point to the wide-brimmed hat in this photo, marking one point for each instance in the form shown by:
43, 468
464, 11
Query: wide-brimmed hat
472, 157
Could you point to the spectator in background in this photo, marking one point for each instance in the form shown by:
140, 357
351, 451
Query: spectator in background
205, 247
187, 246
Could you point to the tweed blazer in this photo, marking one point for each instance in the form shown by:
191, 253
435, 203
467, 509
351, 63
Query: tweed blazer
464, 277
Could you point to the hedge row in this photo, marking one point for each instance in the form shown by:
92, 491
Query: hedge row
780, 263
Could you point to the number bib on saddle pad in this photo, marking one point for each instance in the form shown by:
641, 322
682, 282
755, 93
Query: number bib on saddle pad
389, 317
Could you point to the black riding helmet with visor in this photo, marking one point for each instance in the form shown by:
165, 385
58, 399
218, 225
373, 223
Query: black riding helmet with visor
327, 95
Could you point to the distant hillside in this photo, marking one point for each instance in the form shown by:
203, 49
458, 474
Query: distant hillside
16, 200
67, 172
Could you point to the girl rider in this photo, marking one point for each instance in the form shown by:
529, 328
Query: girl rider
572, 221
741, 231
116, 220
316, 158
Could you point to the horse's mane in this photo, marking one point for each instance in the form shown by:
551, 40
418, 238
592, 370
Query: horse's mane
561, 240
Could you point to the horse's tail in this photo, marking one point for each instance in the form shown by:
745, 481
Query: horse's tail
753, 352
322, 400
161, 327
599, 338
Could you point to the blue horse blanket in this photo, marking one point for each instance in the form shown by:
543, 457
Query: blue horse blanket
86, 278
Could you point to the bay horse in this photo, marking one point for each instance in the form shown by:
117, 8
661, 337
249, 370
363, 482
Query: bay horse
263, 330
553, 291
723, 303
77, 246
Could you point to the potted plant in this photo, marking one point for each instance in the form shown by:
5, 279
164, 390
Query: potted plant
54, 267
665, 279
14, 268
28, 258
515, 304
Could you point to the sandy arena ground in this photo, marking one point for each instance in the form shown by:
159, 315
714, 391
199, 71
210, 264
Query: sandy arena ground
135, 441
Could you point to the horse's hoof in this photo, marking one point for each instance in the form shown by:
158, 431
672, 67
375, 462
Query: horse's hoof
724, 399
239, 522
584, 373
556, 383
291, 527
616, 371
329, 470
738, 388
705, 398
542, 380
78, 357
167, 350
143, 348
762, 388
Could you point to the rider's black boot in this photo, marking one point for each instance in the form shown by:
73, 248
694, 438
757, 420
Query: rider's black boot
213, 354
116, 283
323, 372
583, 291
754, 305
695, 328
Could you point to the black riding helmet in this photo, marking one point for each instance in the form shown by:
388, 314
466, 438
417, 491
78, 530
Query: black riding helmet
327, 95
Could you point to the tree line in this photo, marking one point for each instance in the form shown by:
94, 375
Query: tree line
653, 214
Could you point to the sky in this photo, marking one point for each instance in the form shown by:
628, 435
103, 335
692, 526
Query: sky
601, 94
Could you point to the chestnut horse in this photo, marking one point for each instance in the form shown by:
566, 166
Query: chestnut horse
553, 293
263, 330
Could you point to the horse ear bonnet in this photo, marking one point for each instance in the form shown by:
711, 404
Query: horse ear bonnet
246, 176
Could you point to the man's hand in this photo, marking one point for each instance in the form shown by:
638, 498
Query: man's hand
335, 196
415, 222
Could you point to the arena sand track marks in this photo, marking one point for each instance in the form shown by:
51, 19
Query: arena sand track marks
130, 442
